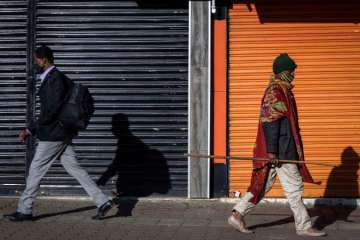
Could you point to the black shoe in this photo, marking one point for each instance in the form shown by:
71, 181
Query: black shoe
103, 210
18, 217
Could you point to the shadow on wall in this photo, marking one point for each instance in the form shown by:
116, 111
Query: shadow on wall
141, 171
322, 11
342, 182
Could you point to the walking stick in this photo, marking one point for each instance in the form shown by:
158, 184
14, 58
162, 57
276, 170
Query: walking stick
255, 159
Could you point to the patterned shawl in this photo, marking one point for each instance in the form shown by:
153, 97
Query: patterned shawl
278, 101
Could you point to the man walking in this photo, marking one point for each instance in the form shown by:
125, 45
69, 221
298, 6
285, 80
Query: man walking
55, 142
278, 137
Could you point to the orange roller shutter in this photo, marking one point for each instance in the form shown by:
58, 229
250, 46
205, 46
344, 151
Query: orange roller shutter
324, 40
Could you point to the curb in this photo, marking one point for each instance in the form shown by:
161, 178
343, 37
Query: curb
309, 202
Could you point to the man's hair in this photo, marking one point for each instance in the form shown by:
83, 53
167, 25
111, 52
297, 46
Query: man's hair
45, 52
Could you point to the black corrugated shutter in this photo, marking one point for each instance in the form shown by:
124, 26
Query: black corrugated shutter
134, 59
13, 98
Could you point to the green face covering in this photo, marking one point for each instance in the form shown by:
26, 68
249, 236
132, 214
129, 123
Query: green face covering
286, 76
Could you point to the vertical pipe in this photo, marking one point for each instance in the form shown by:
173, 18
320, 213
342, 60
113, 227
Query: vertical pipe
30, 75
209, 95
227, 100
189, 97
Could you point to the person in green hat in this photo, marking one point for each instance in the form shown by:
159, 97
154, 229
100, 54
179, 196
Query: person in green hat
278, 138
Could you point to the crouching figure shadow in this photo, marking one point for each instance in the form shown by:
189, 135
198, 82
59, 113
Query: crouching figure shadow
141, 171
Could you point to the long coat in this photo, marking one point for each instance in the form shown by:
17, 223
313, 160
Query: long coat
278, 132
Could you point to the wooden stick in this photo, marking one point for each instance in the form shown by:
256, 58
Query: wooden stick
256, 159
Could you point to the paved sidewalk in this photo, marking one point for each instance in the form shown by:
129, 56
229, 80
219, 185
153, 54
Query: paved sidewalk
168, 219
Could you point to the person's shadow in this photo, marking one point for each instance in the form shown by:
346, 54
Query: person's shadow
141, 171
342, 183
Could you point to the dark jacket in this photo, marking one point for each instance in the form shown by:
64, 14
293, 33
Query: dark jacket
279, 139
52, 93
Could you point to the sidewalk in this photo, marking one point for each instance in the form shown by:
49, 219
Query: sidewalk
168, 219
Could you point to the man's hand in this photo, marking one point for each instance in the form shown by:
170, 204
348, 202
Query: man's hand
101, 181
273, 160
24, 134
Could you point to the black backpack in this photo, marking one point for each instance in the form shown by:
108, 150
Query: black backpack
78, 107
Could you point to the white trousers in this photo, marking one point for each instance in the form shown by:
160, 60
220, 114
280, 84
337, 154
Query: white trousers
293, 187
46, 153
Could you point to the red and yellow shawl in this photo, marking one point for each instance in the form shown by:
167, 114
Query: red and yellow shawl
278, 102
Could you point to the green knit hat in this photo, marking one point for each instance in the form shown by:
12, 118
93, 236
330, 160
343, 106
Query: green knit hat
283, 62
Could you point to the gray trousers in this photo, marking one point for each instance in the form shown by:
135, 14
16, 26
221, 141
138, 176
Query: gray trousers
46, 153
293, 187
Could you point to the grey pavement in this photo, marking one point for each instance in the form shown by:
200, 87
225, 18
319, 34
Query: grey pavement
148, 218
